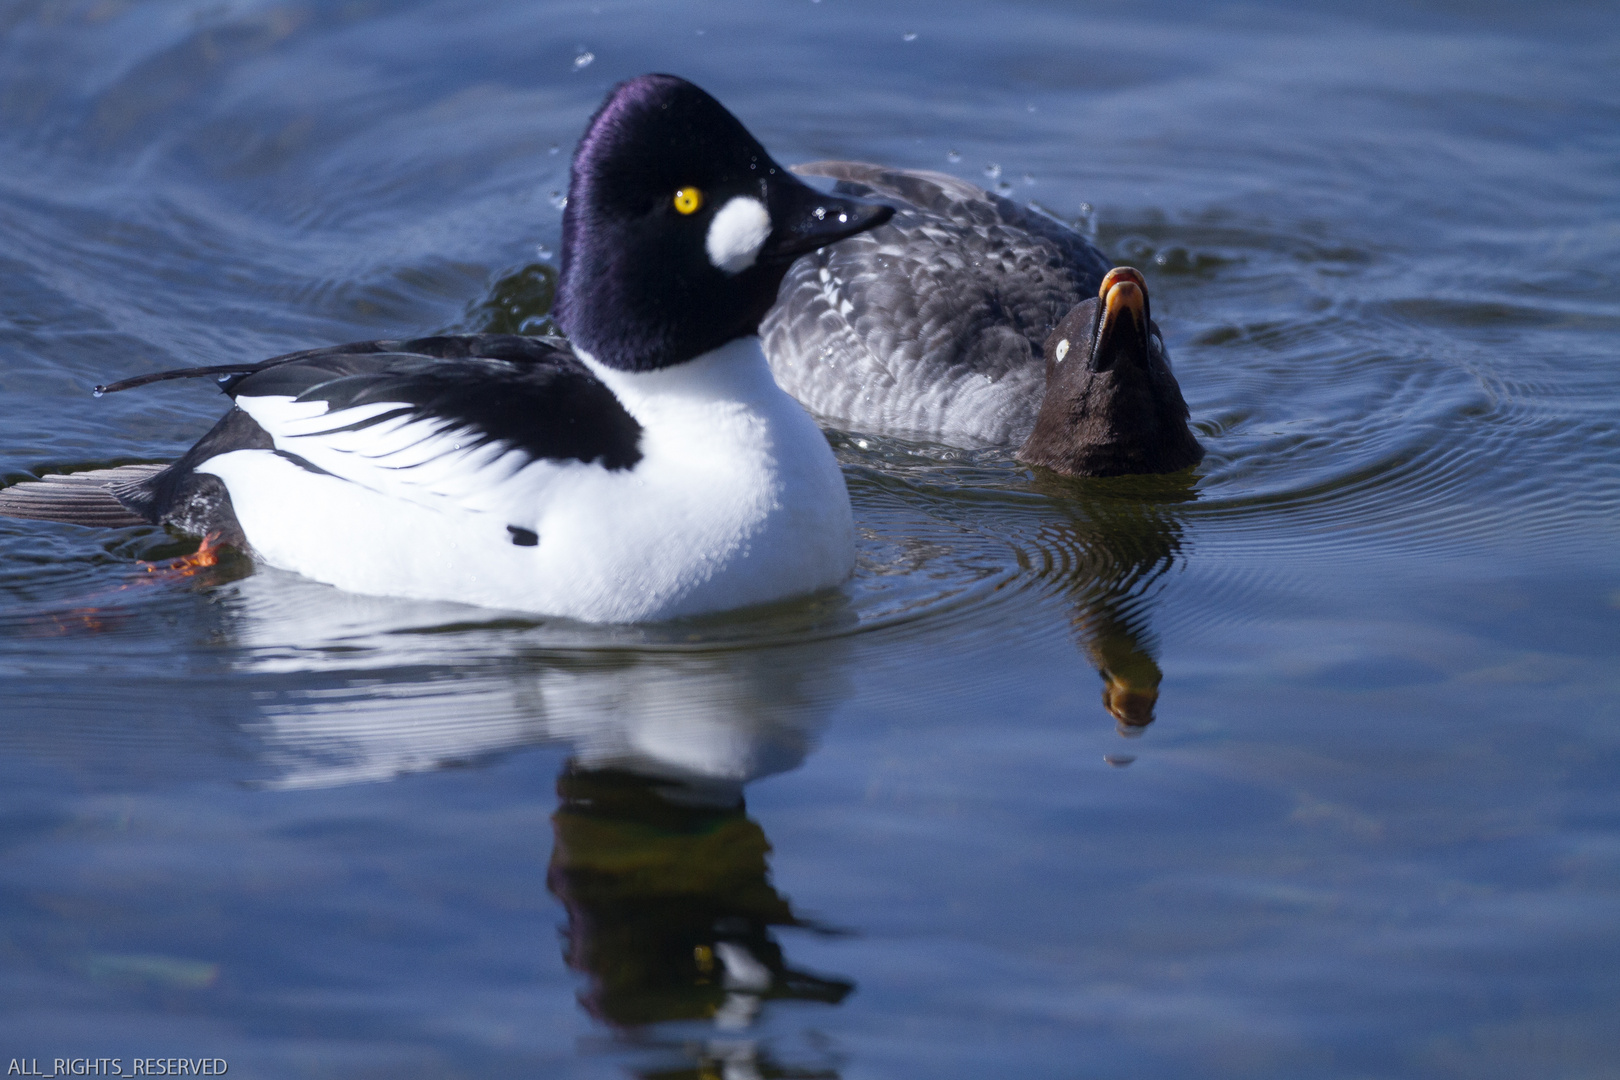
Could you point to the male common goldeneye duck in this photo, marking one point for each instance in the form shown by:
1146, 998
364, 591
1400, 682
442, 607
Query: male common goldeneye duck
934, 324
653, 471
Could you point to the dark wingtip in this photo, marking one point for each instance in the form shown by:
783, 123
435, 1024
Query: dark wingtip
178, 373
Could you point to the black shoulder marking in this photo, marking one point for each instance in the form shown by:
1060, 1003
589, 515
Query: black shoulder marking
526, 393
523, 537
192, 502
304, 463
161, 498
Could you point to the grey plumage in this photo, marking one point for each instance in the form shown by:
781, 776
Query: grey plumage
933, 323
87, 498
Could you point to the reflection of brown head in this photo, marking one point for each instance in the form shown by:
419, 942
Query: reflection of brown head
666, 901
1130, 675
1110, 544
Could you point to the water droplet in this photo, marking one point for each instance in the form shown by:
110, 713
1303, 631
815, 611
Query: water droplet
583, 60
953, 155
542, 251
992, 170
910, 36
1087, 221
821, 213
98, 391
558, 199
842, 218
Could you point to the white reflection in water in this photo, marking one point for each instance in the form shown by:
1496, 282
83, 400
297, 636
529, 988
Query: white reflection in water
403, 687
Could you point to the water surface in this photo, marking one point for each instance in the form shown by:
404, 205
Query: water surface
1372, 828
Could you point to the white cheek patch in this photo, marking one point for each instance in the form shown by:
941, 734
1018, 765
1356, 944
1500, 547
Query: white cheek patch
736, 234
1062, 350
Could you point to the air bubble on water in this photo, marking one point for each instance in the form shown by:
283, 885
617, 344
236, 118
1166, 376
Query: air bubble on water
98, 391
993, 171
909, 36
583, 60
953, 155
543, 252
558, 199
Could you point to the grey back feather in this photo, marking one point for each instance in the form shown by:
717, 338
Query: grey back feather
87, 498
933, 323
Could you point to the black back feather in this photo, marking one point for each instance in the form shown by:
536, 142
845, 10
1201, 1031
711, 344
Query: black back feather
527, 393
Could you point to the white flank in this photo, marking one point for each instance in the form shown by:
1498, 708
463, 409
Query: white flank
737, 500
736, 234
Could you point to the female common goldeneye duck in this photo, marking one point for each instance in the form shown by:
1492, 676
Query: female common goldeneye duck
934, 324
653, 470
1111, 405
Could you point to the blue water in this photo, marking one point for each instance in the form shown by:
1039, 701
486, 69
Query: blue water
1372, 830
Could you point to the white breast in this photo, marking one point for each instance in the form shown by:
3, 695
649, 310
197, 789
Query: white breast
737, 500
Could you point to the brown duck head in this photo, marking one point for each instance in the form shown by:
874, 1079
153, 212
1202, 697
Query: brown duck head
1112, 406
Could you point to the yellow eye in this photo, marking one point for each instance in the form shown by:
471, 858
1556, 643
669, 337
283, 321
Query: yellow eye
688, 200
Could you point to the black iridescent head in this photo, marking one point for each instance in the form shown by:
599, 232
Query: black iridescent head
1112, 406
679, 227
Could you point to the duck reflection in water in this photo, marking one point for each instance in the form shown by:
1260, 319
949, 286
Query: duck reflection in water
671, 915
670, 905
1111, 547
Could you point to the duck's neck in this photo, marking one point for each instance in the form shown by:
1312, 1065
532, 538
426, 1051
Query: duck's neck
733, 376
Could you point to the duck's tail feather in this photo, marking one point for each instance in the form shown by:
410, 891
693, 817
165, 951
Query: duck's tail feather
86, 498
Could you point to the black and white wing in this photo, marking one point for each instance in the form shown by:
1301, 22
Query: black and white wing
448, 418
452, 419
